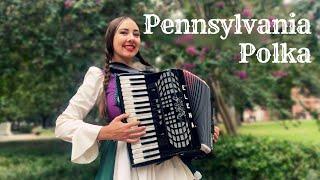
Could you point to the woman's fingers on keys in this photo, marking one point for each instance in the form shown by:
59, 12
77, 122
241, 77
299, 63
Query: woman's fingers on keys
134, 140
137, 135
132, 119
136, 129
121, 117
132, 124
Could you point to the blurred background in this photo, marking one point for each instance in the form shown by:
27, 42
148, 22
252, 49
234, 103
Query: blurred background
268, 113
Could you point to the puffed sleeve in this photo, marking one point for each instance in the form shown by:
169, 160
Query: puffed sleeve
70, 126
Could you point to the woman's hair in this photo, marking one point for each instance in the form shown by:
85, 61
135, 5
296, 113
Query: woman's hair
109, 52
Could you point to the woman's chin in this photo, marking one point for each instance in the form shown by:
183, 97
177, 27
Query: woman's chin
129, 56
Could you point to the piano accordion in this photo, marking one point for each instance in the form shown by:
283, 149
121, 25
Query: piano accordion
175, 107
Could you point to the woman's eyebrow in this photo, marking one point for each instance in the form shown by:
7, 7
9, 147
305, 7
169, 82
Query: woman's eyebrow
126, 29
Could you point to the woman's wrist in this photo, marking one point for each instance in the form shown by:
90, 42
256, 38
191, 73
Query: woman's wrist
104, 134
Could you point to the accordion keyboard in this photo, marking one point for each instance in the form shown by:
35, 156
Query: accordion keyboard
136, 103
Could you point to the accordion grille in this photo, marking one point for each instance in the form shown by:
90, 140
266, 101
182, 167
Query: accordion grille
177, 127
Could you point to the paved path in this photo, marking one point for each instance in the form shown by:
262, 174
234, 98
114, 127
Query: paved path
24, 137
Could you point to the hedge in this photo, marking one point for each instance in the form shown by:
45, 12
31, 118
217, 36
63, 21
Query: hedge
247, 157
241, 157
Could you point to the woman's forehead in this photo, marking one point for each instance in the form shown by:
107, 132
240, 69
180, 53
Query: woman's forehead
128, 24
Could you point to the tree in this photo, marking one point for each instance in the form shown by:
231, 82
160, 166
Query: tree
241, 85
46, 46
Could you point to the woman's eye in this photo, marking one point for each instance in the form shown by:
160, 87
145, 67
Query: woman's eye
123, 32
136, 34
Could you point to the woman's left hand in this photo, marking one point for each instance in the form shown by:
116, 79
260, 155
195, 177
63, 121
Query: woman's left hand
216, 134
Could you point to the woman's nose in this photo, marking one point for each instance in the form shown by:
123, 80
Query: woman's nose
131, 37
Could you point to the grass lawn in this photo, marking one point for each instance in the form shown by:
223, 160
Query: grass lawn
305, 131
41, 159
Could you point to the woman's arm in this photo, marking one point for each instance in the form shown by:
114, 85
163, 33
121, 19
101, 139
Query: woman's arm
84, 136
70, 125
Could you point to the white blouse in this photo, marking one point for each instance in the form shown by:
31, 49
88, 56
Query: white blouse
70, 127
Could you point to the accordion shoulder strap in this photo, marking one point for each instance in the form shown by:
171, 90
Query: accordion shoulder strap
117, 68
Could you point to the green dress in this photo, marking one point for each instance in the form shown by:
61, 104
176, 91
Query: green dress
108, 154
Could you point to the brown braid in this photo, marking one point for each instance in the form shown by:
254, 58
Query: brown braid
103, 105
110, 32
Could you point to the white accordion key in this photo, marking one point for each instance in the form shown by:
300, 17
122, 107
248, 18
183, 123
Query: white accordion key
132, 81
129, 87
141, 160
132, 110
145, 122
138, 148
140, 155
130, 106
130, 93
131, 77
148, 140
150, 128
149, 134
131, 100
140, 116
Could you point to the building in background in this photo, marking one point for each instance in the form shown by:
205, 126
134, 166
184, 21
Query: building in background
300, 110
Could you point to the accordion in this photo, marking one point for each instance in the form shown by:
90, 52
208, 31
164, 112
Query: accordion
175, 107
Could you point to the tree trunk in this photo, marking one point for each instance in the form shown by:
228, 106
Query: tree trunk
222, 108
44, 121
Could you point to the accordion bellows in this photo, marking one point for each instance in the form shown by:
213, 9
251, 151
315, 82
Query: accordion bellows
175, 107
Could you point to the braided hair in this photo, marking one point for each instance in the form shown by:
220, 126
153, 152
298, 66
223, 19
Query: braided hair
109, 52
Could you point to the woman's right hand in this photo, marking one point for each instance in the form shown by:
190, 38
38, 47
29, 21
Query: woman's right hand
119, 131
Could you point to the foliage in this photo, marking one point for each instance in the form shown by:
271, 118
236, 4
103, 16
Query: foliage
41, 160
46, 47
246, 157
243, 85
242, 157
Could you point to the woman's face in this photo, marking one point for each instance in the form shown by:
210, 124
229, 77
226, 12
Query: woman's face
126, 41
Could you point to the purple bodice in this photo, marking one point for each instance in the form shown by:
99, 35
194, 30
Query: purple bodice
113, 108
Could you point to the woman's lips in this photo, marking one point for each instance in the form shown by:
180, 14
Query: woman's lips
129, 47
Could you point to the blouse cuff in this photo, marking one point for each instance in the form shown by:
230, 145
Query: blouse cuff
85, 146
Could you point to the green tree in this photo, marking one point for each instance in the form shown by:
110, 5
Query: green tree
46, 46
241, 85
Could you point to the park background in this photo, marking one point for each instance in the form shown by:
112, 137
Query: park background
268, 113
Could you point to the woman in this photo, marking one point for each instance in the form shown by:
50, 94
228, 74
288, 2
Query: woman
122, 48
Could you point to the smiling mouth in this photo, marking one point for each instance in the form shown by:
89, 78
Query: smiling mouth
129, 47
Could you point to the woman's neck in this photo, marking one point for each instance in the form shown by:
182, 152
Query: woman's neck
123, 61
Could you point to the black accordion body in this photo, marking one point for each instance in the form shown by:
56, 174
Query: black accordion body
175, 107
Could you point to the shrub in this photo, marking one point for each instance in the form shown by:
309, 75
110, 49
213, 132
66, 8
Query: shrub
247, 157
25, 128
242, 157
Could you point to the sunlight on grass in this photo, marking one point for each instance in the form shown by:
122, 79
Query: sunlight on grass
304, 131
